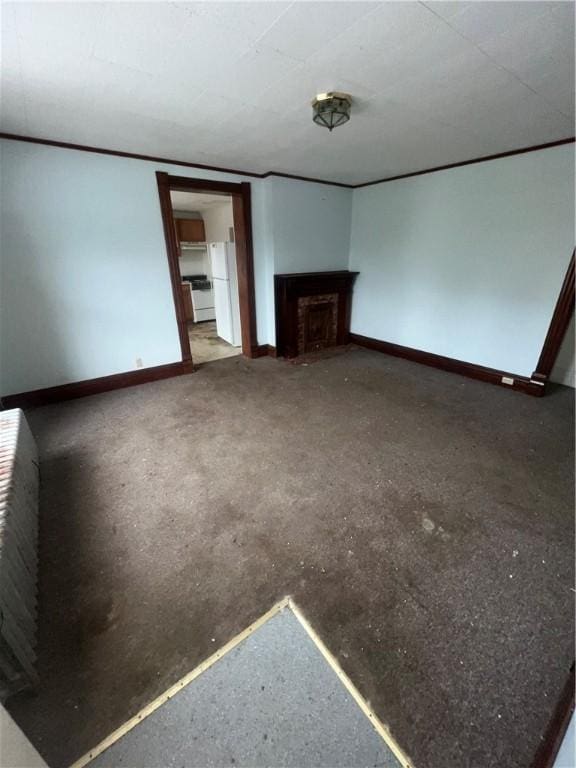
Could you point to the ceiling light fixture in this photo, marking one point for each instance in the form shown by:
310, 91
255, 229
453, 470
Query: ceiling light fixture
331, 109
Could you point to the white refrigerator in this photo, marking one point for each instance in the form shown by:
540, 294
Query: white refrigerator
225, 284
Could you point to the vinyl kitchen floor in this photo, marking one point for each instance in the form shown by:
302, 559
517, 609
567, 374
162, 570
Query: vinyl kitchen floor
206, 345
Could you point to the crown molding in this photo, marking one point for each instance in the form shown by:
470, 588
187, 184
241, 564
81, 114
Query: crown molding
167, 160
279, 174
484, 159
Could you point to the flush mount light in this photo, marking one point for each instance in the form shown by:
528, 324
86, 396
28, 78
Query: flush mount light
331, 109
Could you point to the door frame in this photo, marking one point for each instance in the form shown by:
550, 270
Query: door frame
563, 312
241, 212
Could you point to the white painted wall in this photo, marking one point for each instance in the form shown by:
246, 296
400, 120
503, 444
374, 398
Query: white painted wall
468, 262
84, 283
15, 749
179, 214
566, 757
564, 371
262, 231
194, 262
217, 222
306, 227
311, 225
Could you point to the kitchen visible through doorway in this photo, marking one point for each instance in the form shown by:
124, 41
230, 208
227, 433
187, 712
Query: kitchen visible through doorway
204, 226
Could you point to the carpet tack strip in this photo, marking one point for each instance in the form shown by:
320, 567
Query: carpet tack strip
188, 678
381, 730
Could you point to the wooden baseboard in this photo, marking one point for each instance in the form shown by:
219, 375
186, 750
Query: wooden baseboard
266, 350
557, 727
472, 371
76, 389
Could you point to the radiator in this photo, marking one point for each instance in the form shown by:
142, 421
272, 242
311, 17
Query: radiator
18, 552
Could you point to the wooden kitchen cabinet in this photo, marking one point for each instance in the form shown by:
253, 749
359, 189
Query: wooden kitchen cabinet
190, 231
187, 296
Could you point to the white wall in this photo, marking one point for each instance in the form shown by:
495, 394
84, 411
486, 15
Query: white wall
466, 263
566, 757
194, 262
15, 749
84, 283
564, 371
178, 214
262, 230
217, 222
311, 226
304, 227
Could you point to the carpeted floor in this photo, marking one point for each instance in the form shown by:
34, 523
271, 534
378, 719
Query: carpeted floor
423, 521
272, 700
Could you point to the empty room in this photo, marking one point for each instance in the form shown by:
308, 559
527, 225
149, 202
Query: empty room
287, 377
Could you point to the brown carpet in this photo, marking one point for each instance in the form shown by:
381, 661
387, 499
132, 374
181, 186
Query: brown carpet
423, 522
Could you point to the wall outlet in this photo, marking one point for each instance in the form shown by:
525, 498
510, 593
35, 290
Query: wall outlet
508, 380
139, 363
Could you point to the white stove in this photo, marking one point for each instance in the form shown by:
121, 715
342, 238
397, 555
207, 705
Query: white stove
202, 297
203, 304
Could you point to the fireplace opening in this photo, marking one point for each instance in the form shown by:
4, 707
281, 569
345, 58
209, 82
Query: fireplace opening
312, 311
317, 322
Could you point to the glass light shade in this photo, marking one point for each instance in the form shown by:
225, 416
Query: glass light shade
331, 109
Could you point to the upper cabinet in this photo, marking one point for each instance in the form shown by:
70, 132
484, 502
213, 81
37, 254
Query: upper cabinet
190, 230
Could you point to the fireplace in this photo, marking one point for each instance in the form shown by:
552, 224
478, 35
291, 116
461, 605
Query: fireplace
312, 311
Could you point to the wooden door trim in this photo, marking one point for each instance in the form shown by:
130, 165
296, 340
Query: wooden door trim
560, 319
241, 210
242, 213
173, 265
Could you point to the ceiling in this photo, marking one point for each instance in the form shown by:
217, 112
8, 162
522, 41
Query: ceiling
197, 201
230, 84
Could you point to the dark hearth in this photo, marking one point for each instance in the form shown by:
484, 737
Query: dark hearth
312, 311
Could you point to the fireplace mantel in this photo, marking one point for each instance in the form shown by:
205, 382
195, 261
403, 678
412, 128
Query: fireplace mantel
312, 311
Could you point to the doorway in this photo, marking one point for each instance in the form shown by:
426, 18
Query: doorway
559, 325
204, 225
207, 228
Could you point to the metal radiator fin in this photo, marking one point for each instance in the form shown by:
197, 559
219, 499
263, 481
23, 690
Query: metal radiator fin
19, 482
